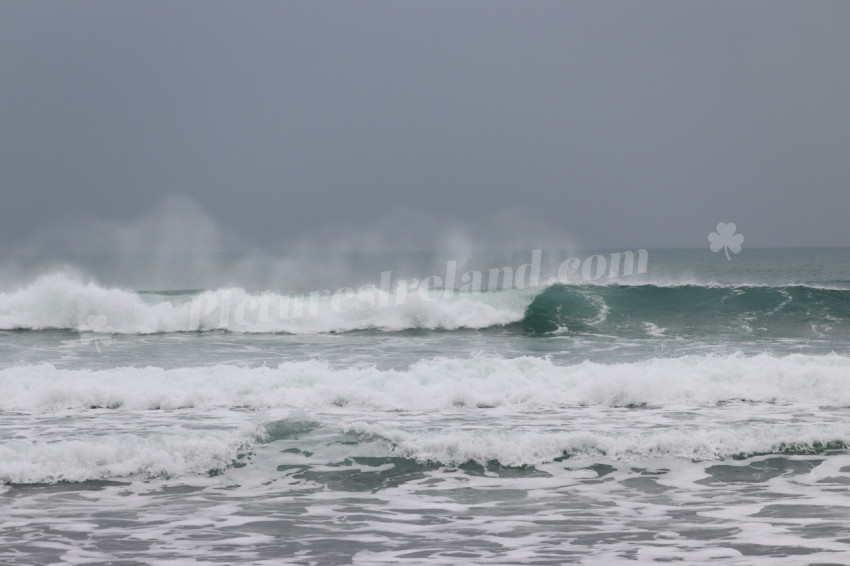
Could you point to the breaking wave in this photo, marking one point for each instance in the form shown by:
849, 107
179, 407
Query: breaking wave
61, 302
519, 411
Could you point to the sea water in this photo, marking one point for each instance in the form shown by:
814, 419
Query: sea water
698, 412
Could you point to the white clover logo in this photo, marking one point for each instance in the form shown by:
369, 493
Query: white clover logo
726, 239
102, 333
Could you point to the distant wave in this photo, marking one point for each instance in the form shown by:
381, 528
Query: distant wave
788, 310
60, 302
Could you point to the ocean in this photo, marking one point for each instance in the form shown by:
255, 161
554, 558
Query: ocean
693, 408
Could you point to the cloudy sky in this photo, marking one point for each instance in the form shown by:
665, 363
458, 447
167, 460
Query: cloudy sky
606, 124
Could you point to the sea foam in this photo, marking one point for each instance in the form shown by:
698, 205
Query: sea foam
477, 381
519, 411
58, 301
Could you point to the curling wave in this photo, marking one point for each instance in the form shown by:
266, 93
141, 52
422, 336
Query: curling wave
796, 311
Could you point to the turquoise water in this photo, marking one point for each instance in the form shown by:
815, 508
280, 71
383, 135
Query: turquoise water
697, 411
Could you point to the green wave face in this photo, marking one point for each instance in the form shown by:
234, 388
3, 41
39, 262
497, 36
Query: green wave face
792, 311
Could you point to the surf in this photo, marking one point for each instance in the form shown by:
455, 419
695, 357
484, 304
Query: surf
58, 301
477, 382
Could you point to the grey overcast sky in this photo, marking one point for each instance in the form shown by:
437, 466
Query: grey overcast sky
608, 124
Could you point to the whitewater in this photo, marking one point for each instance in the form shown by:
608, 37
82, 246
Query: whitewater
701, 413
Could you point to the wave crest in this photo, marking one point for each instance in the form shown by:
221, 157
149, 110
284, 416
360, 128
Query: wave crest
479, 382
638, 311
60, 302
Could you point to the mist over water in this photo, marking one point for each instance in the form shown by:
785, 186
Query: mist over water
178, 245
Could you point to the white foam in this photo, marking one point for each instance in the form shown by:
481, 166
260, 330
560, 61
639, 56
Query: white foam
145, 454
153, 421
65, 302
822, 380
654, 330
512, 447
